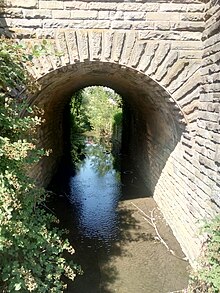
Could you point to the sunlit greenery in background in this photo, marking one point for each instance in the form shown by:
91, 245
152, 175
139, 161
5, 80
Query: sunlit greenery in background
102, 106
95, 111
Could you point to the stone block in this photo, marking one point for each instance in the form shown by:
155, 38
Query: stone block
103, 14
163, 70
117, 46
209, 164
208, 116
192, 16
75, 5
165, 16
213, 29
173, 7
210, 126
162, 25
191, 36
22, 3
55, 23
13, 13
190, 54
210, 97
102, 6
51, 4
116, 15
134, 15
24, 23
37, 13
84, 14
119, 24
188, 26
187, 45
61, 14
211, 50
199, 7
142, 26
150, 7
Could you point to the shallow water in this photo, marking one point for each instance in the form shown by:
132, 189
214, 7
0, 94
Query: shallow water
118, 249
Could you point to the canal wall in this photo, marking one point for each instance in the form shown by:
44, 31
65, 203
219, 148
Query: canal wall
163, 58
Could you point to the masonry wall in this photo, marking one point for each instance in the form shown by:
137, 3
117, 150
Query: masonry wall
208, 138
176, 20
163, 58
195, 172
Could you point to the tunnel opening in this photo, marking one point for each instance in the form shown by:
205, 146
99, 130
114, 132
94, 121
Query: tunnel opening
94, 115
152, 129
152, 124
100, 209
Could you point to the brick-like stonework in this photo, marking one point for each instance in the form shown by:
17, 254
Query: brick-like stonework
163, 58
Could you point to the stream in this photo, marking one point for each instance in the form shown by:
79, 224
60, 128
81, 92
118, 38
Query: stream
117, 248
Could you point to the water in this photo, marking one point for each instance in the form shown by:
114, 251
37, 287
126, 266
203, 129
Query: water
115, 245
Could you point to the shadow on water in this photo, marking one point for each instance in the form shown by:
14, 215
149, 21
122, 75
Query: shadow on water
116, 249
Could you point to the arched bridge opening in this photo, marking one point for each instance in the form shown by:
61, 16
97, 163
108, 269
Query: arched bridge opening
153, 121
154, 133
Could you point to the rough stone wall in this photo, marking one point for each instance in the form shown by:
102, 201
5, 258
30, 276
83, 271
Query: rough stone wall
208, 135
195, 171
164, 19
162, 57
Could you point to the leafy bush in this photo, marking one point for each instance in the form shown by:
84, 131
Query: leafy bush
31, 246
207, 278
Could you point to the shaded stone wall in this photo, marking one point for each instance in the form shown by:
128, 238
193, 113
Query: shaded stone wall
163, 58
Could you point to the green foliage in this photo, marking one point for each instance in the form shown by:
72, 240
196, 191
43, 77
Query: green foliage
103, 104
78, 111
12, 74
118, 119
79, 124
207, 278
31, 246
94, 108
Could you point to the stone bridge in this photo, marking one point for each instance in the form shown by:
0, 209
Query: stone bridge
163, 58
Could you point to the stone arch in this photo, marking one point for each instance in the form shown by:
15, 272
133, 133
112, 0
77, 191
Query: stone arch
153, 111
160, 60
154, 71
160, 86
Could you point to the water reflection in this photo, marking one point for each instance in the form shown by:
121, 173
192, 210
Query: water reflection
115, 246
100, 157
94, 193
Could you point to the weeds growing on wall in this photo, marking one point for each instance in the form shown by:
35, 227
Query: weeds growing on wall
31, 247
207, 278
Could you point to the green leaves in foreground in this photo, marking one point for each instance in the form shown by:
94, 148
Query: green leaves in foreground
207, 278
31, 245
